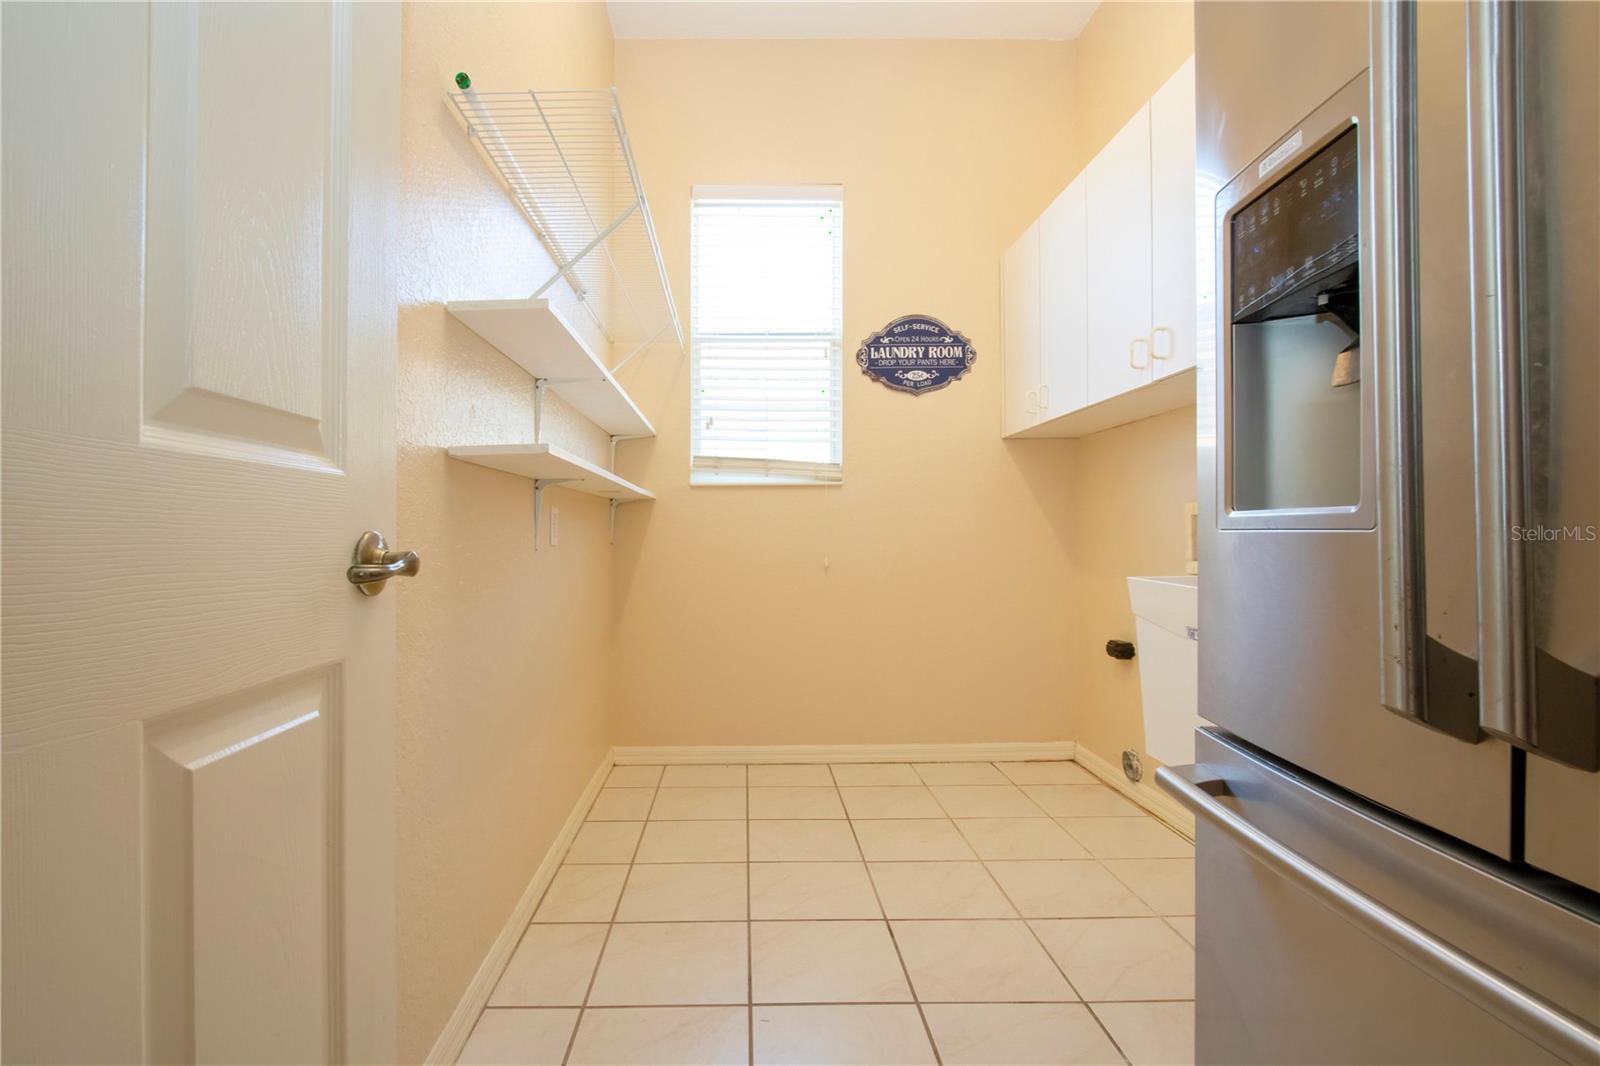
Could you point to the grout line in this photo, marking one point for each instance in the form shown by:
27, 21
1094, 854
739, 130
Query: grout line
1028, 925
931, 862
539, 903
1107, 1002
1136, 893
886, 862
847, 1003
588, 990
911, 986
488, 1003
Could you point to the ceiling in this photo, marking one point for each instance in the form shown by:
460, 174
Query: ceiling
1045, 20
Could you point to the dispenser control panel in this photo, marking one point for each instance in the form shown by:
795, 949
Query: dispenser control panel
1299, 238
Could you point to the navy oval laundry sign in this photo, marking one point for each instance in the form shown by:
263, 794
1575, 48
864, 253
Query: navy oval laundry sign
916, 354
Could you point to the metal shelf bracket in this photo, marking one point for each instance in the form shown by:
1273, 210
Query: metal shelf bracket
539, 485
617, 438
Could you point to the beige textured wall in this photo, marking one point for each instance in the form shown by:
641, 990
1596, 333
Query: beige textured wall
1131, 484
505, 655
944, 608
1124, 54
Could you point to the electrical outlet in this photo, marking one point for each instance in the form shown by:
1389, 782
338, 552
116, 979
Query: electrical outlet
555, 526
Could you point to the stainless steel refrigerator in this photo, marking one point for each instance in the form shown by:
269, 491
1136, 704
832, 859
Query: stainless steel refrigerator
1398, 812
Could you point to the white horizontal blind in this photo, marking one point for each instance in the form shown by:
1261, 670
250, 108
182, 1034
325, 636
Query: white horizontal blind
767, 323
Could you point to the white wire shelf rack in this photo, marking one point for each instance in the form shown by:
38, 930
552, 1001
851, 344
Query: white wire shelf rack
564, 157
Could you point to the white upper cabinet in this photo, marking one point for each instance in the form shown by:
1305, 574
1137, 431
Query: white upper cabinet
1063, 259
1109, 295
1019, 288
1119, 283
1173, 217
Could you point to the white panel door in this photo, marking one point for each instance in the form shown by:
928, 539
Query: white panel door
199, 343
1175, 294
1118, 195
1019, 298
1063, 302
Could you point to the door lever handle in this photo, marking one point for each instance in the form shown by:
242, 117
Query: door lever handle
373, 564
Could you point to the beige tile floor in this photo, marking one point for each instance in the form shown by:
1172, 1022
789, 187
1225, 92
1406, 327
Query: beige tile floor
902, 913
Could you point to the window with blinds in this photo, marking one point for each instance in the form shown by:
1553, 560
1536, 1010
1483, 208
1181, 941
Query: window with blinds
767, 327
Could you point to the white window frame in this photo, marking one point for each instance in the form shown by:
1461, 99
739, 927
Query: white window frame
716, 470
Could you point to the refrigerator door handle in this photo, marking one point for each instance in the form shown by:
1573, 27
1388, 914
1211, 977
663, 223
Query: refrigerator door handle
1394, 143
1505, 659
1543, 1022
1536, 658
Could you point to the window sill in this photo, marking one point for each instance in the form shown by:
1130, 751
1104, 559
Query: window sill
702, 480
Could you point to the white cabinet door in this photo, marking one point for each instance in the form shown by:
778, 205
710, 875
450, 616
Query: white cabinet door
1174, 291
199, 309
1118, 201
1063, 298
1020, 321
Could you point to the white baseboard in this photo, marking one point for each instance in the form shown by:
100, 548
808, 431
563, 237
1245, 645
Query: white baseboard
453, 1038
1145, 793
1026, 751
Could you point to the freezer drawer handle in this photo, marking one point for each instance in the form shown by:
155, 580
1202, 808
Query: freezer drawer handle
1535, 1017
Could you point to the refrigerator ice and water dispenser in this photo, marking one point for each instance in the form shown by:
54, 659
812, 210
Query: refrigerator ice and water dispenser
1295, 317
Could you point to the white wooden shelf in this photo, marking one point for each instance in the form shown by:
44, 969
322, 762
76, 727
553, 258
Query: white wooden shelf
534, 335
547, 463
1163, 394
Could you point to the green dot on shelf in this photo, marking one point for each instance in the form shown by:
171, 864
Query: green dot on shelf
462, 80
